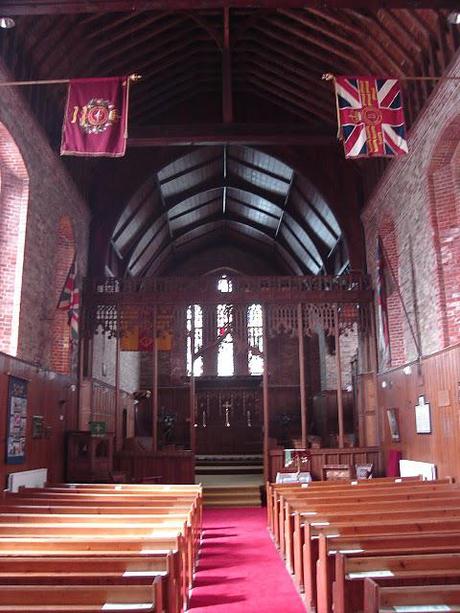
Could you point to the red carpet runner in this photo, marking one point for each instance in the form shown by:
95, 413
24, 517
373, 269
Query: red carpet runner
239, 569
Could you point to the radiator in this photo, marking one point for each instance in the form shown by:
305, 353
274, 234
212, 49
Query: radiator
27, 478
411, 468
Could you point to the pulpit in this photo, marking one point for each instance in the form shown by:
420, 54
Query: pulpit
89, 457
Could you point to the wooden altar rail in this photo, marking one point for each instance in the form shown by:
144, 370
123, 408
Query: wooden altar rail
350, 288
171, 467
320, 457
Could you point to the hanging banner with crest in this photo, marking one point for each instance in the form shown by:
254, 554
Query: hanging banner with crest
96, 117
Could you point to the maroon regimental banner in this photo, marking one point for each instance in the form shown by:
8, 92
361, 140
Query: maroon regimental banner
96, 117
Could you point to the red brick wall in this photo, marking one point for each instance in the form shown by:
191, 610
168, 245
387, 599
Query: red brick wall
52, 195
420, 194
14, 196
387, 233
444, 191
61, 349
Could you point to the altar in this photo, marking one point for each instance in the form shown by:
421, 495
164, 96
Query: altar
229, 416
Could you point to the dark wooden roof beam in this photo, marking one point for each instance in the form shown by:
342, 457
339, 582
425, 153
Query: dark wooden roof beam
378, 46
62, 7
399, 25
315, 46
137, 42
315, 210
203, 162
169, 59
256, 209
265, 93
252, 166
295, 87
176, 48
257, 56
187, 82
201, 89
212, 32
356, 50
193, 209
227, 92
143, 97
220, 134
290, 94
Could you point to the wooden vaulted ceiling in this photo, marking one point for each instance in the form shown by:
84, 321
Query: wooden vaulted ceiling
229, 63
215, 191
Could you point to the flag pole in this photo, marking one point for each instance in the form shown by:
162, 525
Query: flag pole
403, 304
328, 76
132, 78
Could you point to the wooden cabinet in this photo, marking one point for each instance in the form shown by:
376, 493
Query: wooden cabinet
89, 457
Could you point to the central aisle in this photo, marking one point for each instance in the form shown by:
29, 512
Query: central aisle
239, 569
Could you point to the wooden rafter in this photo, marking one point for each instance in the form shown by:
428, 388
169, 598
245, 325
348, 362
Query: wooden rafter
61, 7
217, 134
290, 93
290, 62
270, 71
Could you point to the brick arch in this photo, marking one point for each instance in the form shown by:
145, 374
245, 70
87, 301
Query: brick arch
61, 347
444, 196
387, 233
14, 198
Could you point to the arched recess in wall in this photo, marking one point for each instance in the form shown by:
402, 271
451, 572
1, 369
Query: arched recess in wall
444, 187
61, 347
387, 235
14, 197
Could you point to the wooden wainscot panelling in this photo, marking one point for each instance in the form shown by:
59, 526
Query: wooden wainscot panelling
167, 467
52, 400
98, 403
437, 378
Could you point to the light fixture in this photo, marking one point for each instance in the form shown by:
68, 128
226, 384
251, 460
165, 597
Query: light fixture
407, 370
384, 384
7, 23
454, 18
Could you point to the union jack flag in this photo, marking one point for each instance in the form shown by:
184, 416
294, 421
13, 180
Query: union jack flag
70, 301
370, 116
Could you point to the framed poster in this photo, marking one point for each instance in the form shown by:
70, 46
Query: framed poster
16, 421
392, 415
422, 416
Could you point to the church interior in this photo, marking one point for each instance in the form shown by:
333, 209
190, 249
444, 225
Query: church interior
248, 308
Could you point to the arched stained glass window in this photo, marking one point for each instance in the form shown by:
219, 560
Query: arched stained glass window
195, 322
255, 340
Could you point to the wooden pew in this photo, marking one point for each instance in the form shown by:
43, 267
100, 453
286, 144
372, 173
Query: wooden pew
351, 570
325, 565
81, 598
416, 598
289, 523
355, 493
125, 499
134, 570
74, 548
448, 506
274, 491
140, 520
